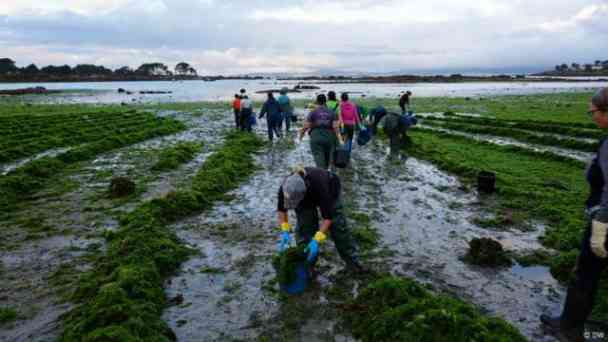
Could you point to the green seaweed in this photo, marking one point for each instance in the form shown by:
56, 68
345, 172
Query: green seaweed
7, 315
399, 309
517, 134
122, 297
285, 263
174, 156
19, 184
522, 178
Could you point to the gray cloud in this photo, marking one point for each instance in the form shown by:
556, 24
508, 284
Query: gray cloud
253, 36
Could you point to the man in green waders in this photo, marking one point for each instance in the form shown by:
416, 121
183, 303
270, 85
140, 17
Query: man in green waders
322, 125
306, 191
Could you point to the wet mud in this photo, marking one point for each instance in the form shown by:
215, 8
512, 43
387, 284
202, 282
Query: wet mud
424, 219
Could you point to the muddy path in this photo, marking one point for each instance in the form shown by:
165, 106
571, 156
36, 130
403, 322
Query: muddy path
423, 217
560, 151
45, 246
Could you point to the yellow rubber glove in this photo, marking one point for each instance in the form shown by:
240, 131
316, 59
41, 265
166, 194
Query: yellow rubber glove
285, 227
599, 231
320, 237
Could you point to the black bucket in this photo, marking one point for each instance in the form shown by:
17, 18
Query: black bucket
486, 182
341, 157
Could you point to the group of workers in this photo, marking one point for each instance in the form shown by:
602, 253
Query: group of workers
277, 112
313, 190
310, 190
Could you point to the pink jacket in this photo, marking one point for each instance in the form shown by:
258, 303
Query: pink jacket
348, 113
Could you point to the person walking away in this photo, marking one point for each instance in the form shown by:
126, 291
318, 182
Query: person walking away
309, 191
236, 106
246, 113
593, 258
322, 126
349, 119
404, 102
332, 102
286, 109
272, 111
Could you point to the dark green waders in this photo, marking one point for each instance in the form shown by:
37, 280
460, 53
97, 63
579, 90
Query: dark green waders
308, 225
322, 145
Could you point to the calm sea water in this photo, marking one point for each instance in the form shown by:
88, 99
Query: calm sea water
184, 91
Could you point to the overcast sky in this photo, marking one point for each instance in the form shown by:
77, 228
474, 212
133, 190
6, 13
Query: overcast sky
247, 36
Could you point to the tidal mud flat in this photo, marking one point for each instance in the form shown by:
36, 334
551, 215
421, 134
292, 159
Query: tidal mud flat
414, 216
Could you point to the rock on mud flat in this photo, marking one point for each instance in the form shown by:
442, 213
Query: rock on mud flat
121, 187
487, 252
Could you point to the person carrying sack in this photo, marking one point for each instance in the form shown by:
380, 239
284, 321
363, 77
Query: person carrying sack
349, 120
309, 191
322, 126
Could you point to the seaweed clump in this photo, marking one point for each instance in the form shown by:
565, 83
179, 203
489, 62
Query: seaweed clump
285, 263
487, 252
121, 187
7, 315
399, 309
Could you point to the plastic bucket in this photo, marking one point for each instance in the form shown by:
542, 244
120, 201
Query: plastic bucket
301, 282
486, 182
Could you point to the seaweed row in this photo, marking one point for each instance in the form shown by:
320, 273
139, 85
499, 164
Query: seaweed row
589, 130
520, 135
30, 140
122, 297
22, 182
173, 156
531, 184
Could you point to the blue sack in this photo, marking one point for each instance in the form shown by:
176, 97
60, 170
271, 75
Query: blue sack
364, 136
301, 283
409, 120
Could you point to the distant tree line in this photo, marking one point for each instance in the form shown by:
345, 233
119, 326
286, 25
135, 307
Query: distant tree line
8, 69
576, 67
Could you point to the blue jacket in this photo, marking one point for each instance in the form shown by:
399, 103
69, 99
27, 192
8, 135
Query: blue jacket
272, 108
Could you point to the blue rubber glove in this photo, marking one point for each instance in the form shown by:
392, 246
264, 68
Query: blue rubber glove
285, 240
313, 250
313, 247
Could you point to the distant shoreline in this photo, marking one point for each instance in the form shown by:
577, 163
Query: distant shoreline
84, 79
324, 79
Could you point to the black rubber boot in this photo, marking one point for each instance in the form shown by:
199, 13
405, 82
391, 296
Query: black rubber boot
560, 329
